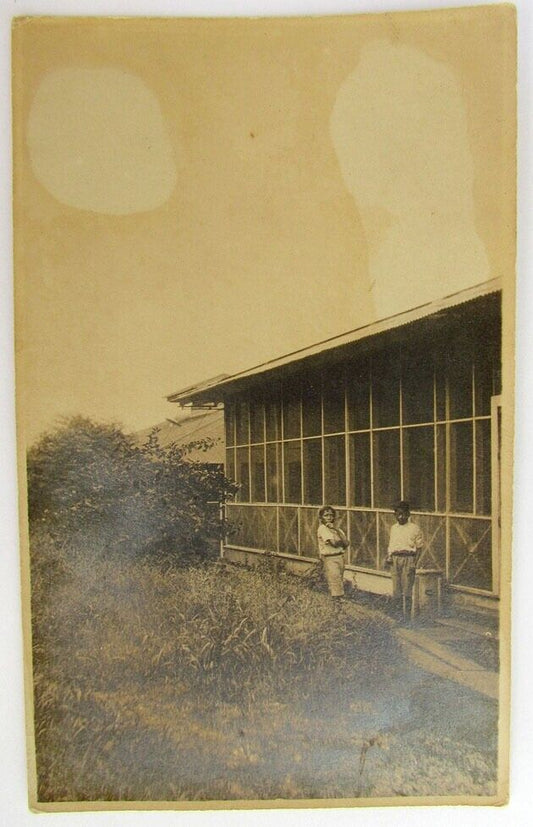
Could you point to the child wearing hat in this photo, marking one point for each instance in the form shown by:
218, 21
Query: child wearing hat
405, 544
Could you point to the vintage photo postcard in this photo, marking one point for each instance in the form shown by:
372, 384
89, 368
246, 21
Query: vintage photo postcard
264, 278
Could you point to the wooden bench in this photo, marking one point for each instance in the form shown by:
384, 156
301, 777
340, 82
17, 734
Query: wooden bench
427, 593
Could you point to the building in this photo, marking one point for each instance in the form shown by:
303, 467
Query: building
187, 432
408, 407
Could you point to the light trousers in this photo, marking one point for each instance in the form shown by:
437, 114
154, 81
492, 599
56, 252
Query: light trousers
403, 575
333, 571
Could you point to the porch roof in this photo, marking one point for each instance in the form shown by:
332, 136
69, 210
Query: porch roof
213, 391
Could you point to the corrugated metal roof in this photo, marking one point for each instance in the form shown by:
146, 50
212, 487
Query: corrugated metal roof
365, 332
200, 386
206, 425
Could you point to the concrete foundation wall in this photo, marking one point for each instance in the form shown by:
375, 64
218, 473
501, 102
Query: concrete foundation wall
373, 582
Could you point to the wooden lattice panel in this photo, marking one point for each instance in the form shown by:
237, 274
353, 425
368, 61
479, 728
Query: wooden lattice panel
341, 521
363, 539
308, 532
471, 553
288, 529
252, 526
385, 520
236, 531
266, 527
433, 554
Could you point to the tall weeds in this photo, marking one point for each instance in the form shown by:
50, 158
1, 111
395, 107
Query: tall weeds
116, 634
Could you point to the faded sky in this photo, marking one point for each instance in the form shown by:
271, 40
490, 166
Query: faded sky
195, 197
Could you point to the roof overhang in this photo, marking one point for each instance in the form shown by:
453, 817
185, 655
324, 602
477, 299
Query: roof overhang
214, 391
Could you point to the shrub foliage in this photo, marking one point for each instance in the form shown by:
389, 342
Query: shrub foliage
92, 478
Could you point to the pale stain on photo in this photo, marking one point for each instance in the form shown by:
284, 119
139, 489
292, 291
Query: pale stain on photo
400, 130
97, 141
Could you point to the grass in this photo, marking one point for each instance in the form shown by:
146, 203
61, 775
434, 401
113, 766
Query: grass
214, 682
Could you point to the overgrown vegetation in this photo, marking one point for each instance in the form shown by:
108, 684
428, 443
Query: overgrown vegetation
86, 478
121, 637
162, 675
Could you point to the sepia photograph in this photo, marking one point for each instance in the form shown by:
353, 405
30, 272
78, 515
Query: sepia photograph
264, 277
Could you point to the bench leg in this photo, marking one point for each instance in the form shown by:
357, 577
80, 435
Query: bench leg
415, 601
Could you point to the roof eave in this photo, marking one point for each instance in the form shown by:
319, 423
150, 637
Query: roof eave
214, 393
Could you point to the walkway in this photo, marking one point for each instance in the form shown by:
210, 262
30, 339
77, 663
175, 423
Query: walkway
459, 645
456, 648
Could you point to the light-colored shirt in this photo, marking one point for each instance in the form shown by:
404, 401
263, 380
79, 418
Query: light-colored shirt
333, 535
407, 537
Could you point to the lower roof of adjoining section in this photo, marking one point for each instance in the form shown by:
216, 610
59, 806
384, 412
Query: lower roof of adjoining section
436, 314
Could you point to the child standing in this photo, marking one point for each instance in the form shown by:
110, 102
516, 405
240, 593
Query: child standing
331, 544
405, 544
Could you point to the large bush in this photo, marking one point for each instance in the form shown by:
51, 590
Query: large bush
92, 478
